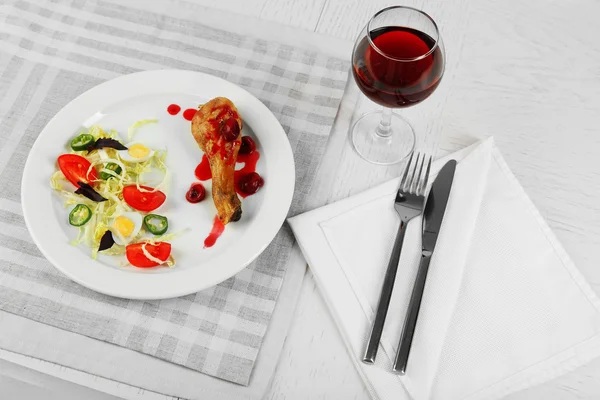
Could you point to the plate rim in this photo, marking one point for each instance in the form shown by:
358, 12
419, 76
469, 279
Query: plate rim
146, 287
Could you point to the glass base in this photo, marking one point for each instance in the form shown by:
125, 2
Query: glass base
392, 147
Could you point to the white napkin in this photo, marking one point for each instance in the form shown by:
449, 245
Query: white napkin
504, 307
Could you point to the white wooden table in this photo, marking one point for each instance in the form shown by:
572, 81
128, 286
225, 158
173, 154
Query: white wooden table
527, 73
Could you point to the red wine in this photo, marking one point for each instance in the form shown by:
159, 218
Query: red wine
397, 82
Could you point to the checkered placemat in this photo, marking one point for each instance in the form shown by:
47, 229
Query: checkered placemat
50, 52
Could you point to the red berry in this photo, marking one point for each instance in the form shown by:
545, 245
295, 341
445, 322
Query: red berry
230, 129
196, 193
248, 146
251, 183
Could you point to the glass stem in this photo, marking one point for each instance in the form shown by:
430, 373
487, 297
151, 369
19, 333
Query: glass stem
384, 129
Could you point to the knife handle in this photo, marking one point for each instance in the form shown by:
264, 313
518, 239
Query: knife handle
410, 321
384, 298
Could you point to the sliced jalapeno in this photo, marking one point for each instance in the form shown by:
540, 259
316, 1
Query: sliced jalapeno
82, 142
112, 167
80, 215
156, 224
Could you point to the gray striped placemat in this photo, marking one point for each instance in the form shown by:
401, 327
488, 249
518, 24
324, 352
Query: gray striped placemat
52, 51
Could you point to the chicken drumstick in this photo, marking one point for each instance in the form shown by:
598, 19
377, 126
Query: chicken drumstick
217, 128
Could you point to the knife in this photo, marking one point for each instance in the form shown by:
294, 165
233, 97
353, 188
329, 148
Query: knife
433, 215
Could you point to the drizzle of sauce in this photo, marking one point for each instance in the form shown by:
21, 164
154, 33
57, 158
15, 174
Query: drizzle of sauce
220, 145
203, 171
217, 122
215, 233
173, 109
250, 161
189, 113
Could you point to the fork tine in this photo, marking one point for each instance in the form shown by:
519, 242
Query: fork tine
414, 178
403, 181
409, 178
419, 180
426, 177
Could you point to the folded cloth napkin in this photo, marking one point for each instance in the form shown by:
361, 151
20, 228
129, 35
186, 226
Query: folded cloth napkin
504, 307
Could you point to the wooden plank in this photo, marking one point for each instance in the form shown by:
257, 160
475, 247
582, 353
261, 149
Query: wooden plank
301, 14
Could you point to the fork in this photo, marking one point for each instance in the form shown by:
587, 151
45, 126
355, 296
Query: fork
409, 203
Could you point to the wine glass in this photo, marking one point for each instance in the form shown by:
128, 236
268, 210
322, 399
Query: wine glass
398, 61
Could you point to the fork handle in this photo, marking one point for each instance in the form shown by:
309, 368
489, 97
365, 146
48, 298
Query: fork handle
410, 321
384, 298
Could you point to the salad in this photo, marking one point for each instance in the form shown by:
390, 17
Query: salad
114, 192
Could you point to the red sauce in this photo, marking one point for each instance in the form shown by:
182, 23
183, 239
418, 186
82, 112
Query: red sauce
240, 176
224, 149
202, 171
224, 144
189, 113
216, 121
173, 109
250, 161
215, 233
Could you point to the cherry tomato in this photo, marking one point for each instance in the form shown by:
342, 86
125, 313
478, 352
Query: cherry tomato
143, 201
137, 258
75, 168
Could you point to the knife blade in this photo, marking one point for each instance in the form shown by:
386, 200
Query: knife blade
433, 215
435, 206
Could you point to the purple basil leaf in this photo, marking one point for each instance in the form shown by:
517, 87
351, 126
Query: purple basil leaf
107, 241
87, 191
106, 142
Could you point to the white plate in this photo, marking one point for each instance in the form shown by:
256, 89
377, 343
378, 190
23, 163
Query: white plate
118, 103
